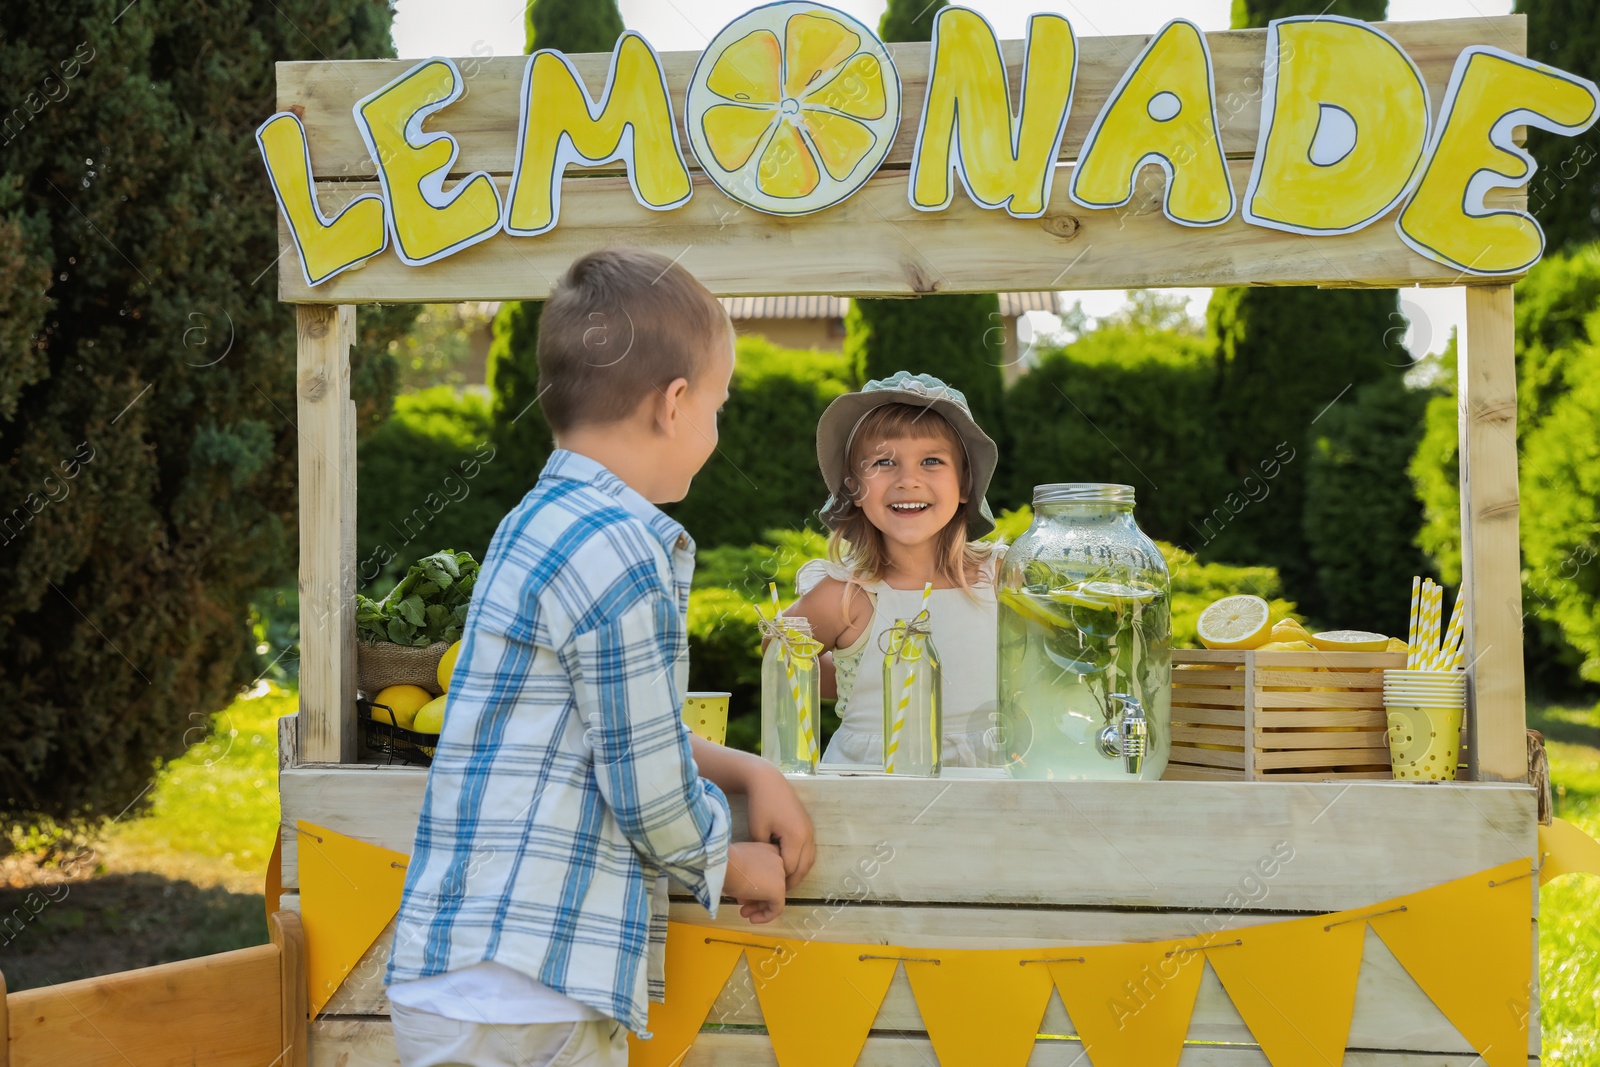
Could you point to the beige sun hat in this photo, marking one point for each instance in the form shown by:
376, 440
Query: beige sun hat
839, 422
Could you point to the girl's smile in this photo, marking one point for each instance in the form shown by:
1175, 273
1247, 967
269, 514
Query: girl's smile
911, 487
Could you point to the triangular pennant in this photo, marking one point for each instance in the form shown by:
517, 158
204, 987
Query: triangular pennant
1294, 984
274, 886
349, 890
1131, 1003
1484, 991
698, 966
981, 1007
1566, 850
802, 984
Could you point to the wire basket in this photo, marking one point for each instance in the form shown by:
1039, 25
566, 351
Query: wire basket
393, 742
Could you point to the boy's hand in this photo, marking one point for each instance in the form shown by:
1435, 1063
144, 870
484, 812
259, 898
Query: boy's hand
776, 815
755, 880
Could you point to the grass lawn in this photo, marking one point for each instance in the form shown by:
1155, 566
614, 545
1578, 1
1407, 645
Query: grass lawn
184, 878
1569, 908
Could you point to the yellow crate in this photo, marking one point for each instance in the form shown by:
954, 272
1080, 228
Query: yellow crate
1280, 716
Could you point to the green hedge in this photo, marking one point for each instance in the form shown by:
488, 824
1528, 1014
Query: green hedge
1121, 404
764, 473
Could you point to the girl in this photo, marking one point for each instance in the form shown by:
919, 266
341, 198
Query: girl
907, 468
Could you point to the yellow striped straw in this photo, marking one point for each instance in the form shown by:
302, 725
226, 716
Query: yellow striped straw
802, 712
893, 744
1450, 653
1436, 610
1411, 634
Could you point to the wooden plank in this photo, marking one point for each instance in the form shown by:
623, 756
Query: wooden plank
1390, 1011
485, 119
1211, 757
1358, 717
1202, 736
1187, 696
1277, 740
1188, 713
366, 1041
293, 999
288, 740
1182, 657
1490, 549
1339, 698
1320, 757
1183, 772
217, 1010
1341, 679
327, 441
876, 244
1112, 844
1328, 776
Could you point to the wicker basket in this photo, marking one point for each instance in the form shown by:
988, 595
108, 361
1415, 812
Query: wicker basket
383, 664
1268, 716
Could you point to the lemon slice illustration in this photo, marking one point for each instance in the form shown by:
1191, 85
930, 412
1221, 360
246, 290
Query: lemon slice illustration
792, 107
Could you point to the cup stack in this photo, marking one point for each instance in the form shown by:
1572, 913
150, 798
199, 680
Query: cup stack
1425, 710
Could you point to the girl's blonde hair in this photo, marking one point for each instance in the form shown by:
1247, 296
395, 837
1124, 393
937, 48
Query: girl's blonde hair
860, 546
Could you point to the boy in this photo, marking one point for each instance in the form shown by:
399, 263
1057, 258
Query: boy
565, 788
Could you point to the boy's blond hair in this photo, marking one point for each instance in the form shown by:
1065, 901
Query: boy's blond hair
620, 324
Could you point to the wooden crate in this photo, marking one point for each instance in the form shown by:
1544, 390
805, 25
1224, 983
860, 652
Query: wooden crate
1279, 715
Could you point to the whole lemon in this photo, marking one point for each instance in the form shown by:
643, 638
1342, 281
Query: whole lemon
403, 701
430, 720
447, 664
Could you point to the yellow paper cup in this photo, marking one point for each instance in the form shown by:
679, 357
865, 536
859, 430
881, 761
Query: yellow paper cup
706, 715
1424, 740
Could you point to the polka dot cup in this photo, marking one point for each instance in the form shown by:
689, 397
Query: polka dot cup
1424, 741
706, 715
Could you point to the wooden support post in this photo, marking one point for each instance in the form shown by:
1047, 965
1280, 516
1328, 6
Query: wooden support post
1491, 559
286, 932
327, 726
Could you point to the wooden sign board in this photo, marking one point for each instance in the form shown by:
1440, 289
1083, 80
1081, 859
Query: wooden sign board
875, 242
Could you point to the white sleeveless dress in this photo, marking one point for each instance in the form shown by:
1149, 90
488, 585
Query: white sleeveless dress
963, 628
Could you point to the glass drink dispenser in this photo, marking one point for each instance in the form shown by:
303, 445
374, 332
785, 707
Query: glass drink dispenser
1085, 632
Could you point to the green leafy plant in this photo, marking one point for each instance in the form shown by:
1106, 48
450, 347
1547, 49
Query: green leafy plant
429, 604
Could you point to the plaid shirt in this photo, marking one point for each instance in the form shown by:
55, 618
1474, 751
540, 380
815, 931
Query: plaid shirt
563, 792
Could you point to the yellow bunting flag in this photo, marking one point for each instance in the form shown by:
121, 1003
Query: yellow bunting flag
1566, 850
982, 1008
802, 983
349, 890
698, 967
274, 886
1294, 984
1131, 1003
1468, 944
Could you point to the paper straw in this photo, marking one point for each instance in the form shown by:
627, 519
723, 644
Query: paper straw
1436, 619
802, 712
893, 744
1411, 634
1451, 651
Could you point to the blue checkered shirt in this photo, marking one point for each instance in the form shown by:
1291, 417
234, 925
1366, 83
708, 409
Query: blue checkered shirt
563, 794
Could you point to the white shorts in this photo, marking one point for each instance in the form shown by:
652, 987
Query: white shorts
424, 1039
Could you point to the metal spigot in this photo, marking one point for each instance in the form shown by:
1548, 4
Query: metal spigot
1127, 735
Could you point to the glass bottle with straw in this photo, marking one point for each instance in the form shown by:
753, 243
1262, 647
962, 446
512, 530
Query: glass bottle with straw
913, 702
790, 692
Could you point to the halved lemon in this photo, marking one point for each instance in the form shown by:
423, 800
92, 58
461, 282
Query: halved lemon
1350, 641
1235, 622
792, 107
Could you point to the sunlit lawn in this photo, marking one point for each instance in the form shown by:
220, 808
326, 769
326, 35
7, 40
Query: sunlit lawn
212, 817
1569, 908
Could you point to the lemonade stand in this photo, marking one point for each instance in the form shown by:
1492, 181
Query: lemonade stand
1219, 919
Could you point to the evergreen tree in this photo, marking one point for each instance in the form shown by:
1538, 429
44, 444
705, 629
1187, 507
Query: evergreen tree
147, 378
572, 26
956, 337
1283, 356
1565, 193
520, 434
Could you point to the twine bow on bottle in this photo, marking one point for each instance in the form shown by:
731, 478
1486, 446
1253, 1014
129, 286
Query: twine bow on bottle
906, 638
